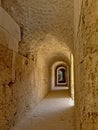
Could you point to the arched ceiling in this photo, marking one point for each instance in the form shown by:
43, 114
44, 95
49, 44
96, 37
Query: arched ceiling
53, 52
39, 18
60, 59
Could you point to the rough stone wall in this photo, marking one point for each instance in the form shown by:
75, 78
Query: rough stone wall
21, 94
86, 67
17, 84
15, 96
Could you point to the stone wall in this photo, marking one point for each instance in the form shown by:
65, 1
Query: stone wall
16, 91
17, 84
86, 66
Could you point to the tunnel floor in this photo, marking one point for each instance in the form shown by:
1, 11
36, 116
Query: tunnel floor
55, 112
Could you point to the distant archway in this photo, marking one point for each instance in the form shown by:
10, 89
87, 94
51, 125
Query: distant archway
61, 76
60, 73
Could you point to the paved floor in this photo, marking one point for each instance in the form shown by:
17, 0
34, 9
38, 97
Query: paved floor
55, 112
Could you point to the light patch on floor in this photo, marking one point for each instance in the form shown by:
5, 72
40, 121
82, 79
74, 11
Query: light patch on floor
55, 112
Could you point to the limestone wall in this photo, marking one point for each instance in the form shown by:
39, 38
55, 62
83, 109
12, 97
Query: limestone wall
17, 91
16, 96
86, 66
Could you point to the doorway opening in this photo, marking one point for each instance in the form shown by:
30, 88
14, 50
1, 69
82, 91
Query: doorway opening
61, 76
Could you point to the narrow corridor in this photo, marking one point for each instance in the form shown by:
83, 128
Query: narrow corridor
55, 112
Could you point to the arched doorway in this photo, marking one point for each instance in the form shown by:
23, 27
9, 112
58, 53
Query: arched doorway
60, 73
61, 76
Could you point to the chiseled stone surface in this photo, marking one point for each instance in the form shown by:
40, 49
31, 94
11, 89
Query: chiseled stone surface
86, 59
17, 91
56, 111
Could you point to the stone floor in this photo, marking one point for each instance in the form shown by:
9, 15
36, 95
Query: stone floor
55, 112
